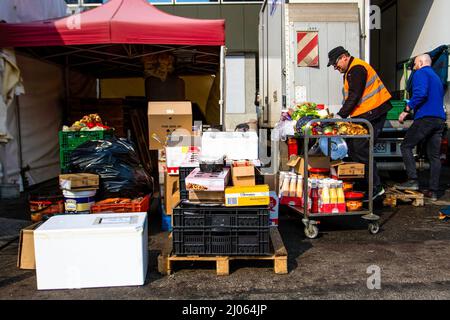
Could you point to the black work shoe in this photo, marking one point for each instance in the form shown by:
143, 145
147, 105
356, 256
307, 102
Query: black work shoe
378, 192
430, 195
412, 185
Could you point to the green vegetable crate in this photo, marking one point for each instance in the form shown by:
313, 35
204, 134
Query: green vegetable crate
70, 140
398, 107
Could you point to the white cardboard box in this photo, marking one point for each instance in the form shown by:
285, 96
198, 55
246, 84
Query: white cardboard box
94, 250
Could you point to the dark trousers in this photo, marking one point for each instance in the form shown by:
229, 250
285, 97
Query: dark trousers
429, 130
358, 150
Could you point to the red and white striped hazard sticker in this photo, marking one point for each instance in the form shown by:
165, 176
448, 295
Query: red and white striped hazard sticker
308, 49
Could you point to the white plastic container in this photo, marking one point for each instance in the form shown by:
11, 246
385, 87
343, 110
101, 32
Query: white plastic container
79, 201
88, 251
234, 145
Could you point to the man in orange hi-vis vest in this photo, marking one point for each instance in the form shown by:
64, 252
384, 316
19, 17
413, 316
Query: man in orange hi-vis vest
364, 97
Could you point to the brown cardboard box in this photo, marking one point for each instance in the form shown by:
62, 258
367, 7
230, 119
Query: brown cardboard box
79, 181
349, 170
164, 117
172, 192
207, 196
320, 162
243, 176
25, 256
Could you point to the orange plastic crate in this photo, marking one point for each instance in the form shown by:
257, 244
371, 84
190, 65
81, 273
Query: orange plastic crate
142, 206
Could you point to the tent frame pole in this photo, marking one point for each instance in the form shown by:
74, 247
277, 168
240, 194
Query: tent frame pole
222, 88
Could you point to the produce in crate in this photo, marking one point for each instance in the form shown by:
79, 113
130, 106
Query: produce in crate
90, 122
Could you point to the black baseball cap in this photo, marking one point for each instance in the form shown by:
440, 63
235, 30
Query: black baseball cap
334, 54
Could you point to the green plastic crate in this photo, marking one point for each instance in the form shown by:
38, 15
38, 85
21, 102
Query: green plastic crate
64, 157
397, 108
70, 140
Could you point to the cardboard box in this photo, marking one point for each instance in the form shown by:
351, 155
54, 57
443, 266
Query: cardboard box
92, 250
25, 256
207, 196
349, 170
247, 196
165, 117
243, 176
203, 181
298, 163
171, 192
79, 181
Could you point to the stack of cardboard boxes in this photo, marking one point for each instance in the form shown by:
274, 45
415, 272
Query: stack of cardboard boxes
164, 118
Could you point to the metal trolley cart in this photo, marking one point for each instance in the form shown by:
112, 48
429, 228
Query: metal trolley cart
310, 220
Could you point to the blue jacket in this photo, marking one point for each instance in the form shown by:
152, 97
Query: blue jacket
428, 95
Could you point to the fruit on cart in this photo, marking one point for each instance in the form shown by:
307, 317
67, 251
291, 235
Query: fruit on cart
328, 130
301, 124
352, 129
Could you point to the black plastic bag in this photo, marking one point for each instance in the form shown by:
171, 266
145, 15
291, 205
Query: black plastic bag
118, 165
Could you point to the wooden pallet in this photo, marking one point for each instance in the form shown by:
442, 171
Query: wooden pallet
279, 257
393, 196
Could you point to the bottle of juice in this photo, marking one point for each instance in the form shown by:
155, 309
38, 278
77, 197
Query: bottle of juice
325, 195
293, 186
299, 192
340, 193
309, 194
286, 183
333, 194
314, 198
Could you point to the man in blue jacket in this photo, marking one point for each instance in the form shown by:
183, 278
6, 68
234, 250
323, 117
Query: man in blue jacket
427, 102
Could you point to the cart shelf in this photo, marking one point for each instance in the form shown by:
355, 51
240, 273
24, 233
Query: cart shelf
325, 215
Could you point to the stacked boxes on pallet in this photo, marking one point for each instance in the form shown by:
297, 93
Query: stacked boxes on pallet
221, 231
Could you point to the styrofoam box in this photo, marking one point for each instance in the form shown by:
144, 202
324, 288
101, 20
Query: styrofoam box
234, 145
92, 250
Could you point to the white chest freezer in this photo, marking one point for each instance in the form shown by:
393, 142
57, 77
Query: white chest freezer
92, 250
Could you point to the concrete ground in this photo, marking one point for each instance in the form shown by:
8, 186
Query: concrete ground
412, 251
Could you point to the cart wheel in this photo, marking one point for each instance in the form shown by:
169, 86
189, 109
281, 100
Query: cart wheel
311, 231
374, 227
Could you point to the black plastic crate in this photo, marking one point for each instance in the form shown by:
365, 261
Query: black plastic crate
184, 172
221, 242
187, 216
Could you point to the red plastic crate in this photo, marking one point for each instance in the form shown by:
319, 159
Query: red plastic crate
142, 206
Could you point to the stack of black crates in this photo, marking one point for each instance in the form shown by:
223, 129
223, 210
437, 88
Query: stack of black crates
213, 230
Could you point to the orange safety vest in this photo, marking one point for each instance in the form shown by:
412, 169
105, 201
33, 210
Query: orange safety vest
375, 93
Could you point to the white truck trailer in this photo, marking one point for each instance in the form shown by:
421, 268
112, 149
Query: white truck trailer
295, 37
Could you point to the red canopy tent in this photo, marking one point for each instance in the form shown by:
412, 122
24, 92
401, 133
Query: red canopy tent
116, 36
116, 22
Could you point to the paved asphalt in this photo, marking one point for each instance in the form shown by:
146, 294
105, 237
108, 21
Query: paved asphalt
412, 252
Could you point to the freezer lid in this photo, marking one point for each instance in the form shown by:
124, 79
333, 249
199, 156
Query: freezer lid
93, 223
